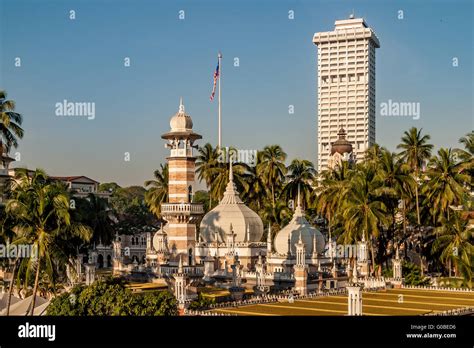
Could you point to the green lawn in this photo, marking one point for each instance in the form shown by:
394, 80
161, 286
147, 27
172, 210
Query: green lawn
389, 302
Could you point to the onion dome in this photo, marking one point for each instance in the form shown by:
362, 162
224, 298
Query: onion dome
289, 235
181, 125
341, 145
181, 122
231, 217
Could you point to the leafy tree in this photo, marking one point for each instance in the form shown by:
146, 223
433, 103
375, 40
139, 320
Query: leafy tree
110, 297
446, 186
111, 187
42, 212
455, 241
207, 159
201, 302
157, 190
10, 123
412, 275
301, 177
364, 211
272, 168
415, 151
202, 197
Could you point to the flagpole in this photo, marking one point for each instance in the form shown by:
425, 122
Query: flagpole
219, 56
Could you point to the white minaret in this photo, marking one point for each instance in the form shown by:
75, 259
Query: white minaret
301, 270
208, 266
346, 86
397, 266
315, 248
181, 213
180, 285
354, 300
269, 239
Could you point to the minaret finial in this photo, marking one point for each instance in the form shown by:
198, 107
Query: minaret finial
180, 265
231, 171
299, 196
181, 106
269, 238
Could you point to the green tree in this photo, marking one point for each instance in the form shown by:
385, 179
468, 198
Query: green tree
397, 184
415, 150
201, 303
41, 210
157, 190
446, 186
301, 177
364, 211
272, 168
331, 193
206, 161
10, 123
412, 275
111, 297
454, 239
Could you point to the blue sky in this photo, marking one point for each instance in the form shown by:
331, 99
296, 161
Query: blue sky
83, 60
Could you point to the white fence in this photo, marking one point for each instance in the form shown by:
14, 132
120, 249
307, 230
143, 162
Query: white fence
436, 288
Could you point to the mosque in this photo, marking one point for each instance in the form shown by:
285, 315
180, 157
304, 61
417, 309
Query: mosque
231, 249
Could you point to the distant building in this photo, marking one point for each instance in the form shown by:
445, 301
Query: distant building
341, 151
81, 186
346, 86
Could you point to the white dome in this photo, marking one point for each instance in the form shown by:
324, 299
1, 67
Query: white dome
298, 225
181, 122
231, 211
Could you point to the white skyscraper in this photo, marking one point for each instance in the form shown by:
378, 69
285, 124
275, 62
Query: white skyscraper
346, 86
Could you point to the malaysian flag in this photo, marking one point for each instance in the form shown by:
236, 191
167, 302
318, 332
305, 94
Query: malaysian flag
216, 76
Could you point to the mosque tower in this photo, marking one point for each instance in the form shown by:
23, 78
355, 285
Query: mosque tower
180, 212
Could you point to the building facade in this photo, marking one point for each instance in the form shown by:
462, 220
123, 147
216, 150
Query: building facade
346, 86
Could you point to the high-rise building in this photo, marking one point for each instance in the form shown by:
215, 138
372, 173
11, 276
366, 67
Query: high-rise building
346, 86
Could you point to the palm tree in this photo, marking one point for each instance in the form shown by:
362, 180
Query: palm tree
10, 123
363, 211
415, 150
99, 218
468, 142
455, 241
157, 190
466, 155
7, 234
277, 213
374, 154
397, 183
272, 167
447, 182
41, 209
331, 191
220, 174
257, 191
302, 176
207, 159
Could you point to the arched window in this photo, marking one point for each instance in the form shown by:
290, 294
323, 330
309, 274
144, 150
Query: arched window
190, 194
190, 257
